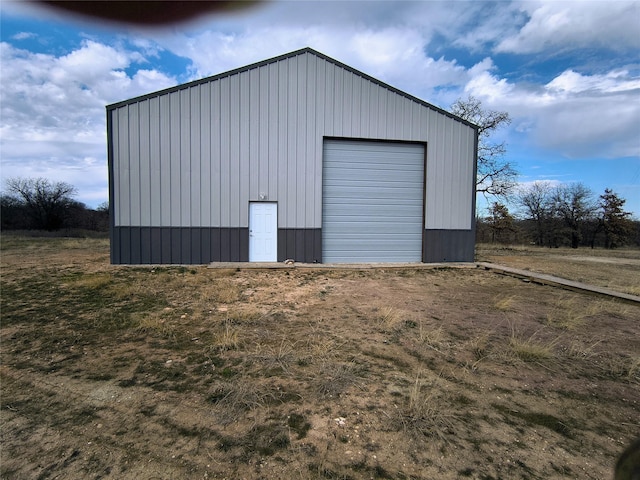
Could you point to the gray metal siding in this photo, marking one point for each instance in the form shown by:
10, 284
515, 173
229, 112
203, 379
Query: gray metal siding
196, 156
449, 246
373, 194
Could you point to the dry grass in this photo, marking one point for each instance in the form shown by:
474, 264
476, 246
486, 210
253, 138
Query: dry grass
531, 348
277, 357
480, 347
156, 324
431, 337
390, 319
582, 351
426, 411
234, 399
226, 291
188, 372
633, 369
226, 336
625, 367
571, 313
337, 377
505, 303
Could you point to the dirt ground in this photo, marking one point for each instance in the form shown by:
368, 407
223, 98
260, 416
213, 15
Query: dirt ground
189, 372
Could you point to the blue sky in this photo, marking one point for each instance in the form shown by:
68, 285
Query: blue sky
568, 73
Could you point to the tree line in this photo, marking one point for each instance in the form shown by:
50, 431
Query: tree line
565, 215
39, 204
544, 213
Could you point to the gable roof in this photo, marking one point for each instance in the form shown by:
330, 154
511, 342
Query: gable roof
295, 53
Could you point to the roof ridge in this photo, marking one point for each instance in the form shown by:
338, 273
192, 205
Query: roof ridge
278, 58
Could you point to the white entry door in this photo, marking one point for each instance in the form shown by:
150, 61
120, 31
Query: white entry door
263, 232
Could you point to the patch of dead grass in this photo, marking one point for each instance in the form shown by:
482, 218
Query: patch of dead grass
531, 348
337, 377
426, 411
155, 324
431, 337
505, 303
226, 336
626, 367
390, 319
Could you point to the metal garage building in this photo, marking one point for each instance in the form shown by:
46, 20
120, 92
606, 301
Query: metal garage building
299, 157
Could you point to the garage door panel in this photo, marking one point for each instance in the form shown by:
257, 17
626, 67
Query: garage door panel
368, 231
373, 194
373, 212
382, 187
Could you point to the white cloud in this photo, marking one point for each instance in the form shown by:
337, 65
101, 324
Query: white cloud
23, 35
485, 85
394, 55
478, 24
545, 180
53, 110
570, 82
576, 24
581, 116
595, 115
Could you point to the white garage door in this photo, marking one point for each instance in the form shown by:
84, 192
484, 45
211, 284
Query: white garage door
372, 201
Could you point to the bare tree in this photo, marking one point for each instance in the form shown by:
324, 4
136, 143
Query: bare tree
46, 203
535, 200
496, 176
574, 205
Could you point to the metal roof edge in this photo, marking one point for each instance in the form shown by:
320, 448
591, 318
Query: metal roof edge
292, 54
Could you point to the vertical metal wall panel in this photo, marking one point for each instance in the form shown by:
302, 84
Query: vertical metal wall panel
246, 112
347, 103
216, 154
365, 108
271, 185
122, 150
145, 245
115, 177
289, 173
155, 189
310, 179
134, 164
185, 158
338, 103
449, 176
206, 158
195, 190
282, 123
165, 161
144, 135
300, 159
225, 150
175, 166
328, 98
234, 151
259, 85
194, 156
434, 201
